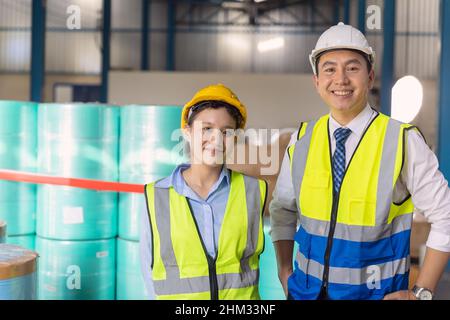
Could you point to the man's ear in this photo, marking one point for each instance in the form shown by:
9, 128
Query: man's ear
315, 81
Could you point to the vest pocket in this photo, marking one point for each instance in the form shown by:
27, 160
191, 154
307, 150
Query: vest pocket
317, 179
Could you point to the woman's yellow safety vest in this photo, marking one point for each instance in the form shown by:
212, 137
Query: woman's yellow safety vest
353, 244
182, 268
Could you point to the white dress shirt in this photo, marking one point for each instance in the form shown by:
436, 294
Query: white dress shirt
420, 177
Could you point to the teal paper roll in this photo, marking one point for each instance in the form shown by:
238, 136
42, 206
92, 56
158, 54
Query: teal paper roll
18, 207
18, 118
18, 123
91, 159
17, 273
130, 283
131, 206
77, 120
67, 213
26, 241
148, 140
76, 270
18, 153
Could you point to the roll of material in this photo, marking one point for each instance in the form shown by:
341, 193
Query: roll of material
18, 207
2, 231
18, 135
18, 123
67, 213
78, 121
78, 141
17, 273
25, 241
131, 206
149, 139
130, 283
76, 270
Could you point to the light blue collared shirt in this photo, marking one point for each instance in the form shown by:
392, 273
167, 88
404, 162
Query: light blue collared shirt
208, 214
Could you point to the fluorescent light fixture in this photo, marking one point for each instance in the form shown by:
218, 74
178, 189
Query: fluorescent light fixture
271, 44
257, 1
407, 98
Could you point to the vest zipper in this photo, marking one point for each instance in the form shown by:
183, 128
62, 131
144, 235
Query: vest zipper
212, 273
333, 219
324, 289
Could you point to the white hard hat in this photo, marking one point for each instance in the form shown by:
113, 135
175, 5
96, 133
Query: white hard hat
341, 36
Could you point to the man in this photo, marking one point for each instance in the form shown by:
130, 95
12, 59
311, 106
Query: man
352, 178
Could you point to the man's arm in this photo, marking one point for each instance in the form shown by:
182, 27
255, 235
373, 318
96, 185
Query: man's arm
431, 196
283, 220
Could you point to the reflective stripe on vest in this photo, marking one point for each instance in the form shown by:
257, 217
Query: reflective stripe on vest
369, 226
182, 268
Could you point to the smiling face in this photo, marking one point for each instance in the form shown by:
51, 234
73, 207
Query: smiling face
210, 132
343, 82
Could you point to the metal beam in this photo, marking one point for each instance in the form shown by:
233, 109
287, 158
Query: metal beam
337, 11
106, 33
362, 16
170, 48
144, 35
444, 92
347, 11
37, 69
387, 72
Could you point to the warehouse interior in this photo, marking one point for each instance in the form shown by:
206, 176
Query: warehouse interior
93, 90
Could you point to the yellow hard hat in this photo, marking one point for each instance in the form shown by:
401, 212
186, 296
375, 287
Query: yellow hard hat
216, 92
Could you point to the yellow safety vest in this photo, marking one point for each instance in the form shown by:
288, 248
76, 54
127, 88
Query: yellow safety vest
343, 236
182, 268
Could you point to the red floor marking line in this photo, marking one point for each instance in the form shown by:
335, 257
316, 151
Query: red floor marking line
99, 185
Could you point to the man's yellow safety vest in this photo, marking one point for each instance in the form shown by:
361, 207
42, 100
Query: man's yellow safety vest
181, 266
353, 244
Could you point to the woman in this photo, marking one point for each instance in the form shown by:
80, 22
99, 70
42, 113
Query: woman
203, 233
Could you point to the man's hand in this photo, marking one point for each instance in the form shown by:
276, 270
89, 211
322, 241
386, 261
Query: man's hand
284, 276
400, 295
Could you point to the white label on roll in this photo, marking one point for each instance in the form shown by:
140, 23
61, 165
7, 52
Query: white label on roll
101, 254
73, 215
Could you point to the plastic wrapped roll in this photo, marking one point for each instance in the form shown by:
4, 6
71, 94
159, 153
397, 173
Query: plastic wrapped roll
76, 270
2, 231
92, 159
17, 273
18, 123
130, 283
26, 241
147, 143
67, 213
18, 207
80, 141
131, 206
78, 121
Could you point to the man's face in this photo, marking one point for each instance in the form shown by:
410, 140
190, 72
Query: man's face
343, 81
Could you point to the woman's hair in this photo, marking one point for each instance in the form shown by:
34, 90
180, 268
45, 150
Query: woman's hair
212, 104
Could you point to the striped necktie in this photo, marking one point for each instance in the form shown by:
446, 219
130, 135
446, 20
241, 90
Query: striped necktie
341, 135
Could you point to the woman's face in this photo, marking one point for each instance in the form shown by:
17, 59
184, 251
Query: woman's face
209, 134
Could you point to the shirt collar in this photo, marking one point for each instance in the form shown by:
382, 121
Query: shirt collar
357, 125
176, 179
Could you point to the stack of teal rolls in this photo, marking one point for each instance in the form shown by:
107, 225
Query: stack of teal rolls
149, 136
77, 227
18, 152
